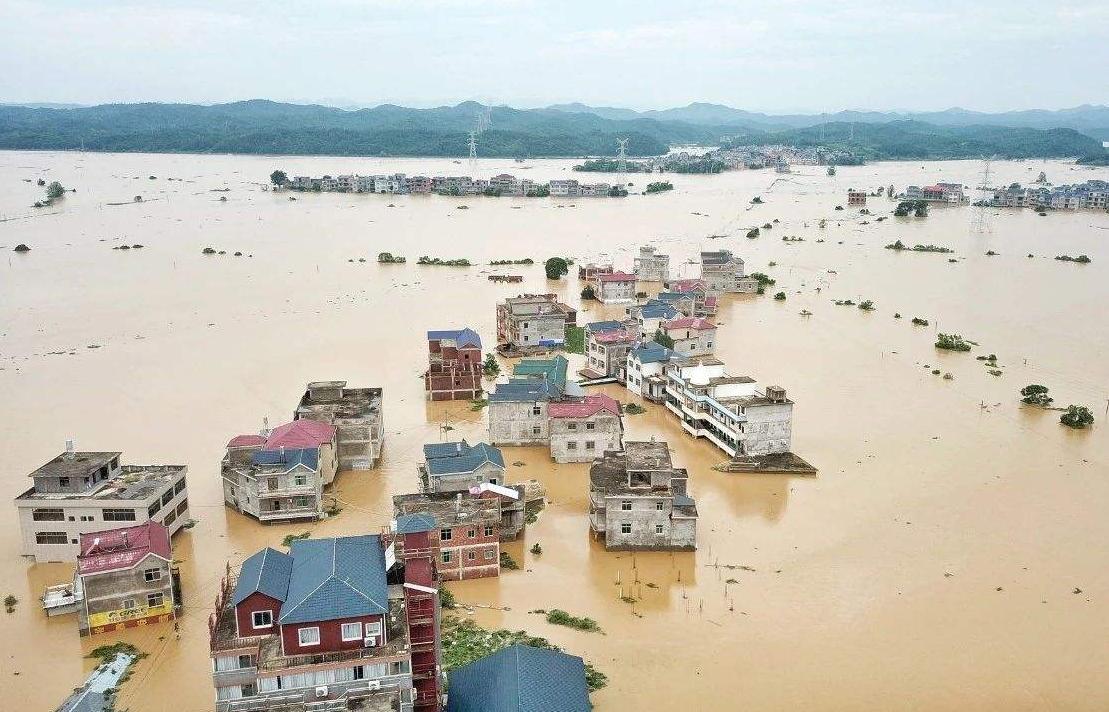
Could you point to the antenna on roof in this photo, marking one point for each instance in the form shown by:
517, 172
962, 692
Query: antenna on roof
265, 427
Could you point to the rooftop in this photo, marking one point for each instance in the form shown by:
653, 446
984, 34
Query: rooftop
136, 483
363, 403
653, 352
285, 460
610, 325
551, 370
460, 457
76, 464
648, 455
300, 434
657, 309
616, 277
461, 337
614, 337
448, 508
689, 322
587, 407
520, 390
609, 474
335, 578
520, 679
416, 522
122, 548
716, 257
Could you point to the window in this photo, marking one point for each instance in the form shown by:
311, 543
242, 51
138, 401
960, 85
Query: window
471, 533
626, 506
489, 554
246, 661
626, 528
444, 535
167, 497
300, 501
571, 426
155, 599
180, 486
536, 410
658, 529
128, 604
247, 690
153, 509
492, 480
119, 515
571, 445
446, 557
590, 426
87, 518
659, 506
471, 555
63, 482
590, 444
152, 574
263, 619
360, 673
373, 629
488, 530
352, 631
51, 538
48, 515
181, 508
309, 636
300, 480
536, 430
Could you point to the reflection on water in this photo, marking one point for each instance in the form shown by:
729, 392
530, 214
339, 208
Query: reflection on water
930, 565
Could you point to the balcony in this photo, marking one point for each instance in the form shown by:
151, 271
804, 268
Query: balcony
309, 512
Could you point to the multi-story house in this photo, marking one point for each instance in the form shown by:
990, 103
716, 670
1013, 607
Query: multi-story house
520, 678
589, 272
649, 316
466, 538
638, 499
645, 374
691, 336
582, 430
356, 415
607, 351
273, 485
125, 578
518, 408
83, 492
704, 301
335, 624
615, 288
533, 322
856, 197
418, 184
458, 466
454, 365
938, 193
722, 272
729, 411
565, 188
651, 266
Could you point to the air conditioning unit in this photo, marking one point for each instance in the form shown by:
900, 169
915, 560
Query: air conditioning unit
373, 685
370, 642
321, 692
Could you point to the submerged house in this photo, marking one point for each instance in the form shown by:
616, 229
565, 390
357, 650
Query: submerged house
520, 678
458, 466
651, 266
454, 365
615, 288
722, 272
645, 371
638, 499
691, 336
518, 408
531, 323
582, 430
355, 413
464, 532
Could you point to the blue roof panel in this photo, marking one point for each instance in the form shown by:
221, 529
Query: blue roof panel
520, 679
468, 461
265, 572
418, 522
336, 578
463, 337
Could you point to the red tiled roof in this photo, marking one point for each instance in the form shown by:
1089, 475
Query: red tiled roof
611, 337
616, 277
300, 434
689, 322
590, 405
122, 548
686, 285
246, 441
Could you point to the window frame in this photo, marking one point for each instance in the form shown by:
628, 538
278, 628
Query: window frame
152, 575
254, 619
343, 631
625, 527
315, 629
155, 595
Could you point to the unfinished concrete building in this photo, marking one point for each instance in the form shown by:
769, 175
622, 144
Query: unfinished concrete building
357, 416
722, 272
454, 365
580, 431
638, 500
532, 323
651, 266
466, 535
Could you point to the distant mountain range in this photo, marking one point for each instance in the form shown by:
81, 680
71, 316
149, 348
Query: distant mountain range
266, 127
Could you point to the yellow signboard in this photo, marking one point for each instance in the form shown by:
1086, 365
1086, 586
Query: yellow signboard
128, 614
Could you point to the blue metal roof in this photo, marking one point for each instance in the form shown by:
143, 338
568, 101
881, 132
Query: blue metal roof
522, 390
656, 309
553, 370
290, 458
601, 326
652, 352
463, 337
465, 460
670, 297
336, 578
265, 572
451, 449
418, 522
520, 679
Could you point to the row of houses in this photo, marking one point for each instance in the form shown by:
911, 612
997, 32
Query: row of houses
503, 184
1091, 195
951, 193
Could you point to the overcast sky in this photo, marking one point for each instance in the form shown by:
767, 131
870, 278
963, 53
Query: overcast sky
772, 55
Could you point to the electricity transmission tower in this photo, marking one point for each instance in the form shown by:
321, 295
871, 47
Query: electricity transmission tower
622, 156
980, 222
484, 120
472, 143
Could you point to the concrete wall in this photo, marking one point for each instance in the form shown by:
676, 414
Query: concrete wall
488, 472
571, 437
105, 593
512, 423
768, 429
252, 495
645, 518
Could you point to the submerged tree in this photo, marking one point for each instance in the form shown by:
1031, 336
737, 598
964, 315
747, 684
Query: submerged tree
1035, 394
556, 267
1077, 416
279, 178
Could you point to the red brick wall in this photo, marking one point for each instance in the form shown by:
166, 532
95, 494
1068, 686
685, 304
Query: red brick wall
244, 614
331, 636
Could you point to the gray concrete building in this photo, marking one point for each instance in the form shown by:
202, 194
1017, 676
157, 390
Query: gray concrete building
638, 500
355, 413
582, 430
722, 272
651, 266
458, 466
532, 322
81, 492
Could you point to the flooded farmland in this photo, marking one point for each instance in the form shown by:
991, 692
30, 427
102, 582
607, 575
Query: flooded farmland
950, 554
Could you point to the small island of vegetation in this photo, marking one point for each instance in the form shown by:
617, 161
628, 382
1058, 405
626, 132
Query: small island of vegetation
437, 261
659, 187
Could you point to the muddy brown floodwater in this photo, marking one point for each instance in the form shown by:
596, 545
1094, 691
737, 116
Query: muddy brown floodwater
931, 565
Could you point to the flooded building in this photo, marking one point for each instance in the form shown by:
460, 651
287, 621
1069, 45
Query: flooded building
125, 578
722, 272
729, 411
606, 351
938, 193
588, 272
332, 625
581, 430
638, 499
518, 408
532, 323
615, 288
458, 466
691, 336
651, 266
454, 365
520, 678
704, 299
356, 415
84, 492
464, 530
856, 197
649, 316
645, 373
